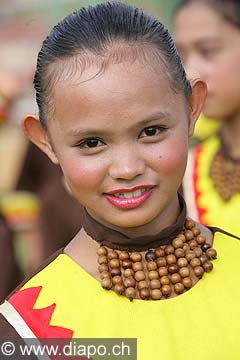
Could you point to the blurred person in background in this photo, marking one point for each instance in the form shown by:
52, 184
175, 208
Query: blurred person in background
207, 34
31, 189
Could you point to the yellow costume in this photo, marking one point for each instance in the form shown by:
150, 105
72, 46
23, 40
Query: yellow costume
63, 300
203, 201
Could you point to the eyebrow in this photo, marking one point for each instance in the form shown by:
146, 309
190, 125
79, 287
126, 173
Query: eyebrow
98, 131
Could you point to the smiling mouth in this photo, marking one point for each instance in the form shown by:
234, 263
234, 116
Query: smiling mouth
130, 195
126, 199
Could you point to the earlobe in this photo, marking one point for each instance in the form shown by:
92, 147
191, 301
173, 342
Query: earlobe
38, 135
196, 102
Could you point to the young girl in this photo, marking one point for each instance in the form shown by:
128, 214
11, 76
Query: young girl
207, 34
116, 112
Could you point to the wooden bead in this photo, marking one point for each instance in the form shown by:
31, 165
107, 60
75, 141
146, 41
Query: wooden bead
130, 293
211, 254
155, 284
189, 224
163, 271
198, 251
135, 256
116, 279
104, 274
175, 278
196, 231
179, 288
169, 250
171, 259
130, 282
190, 255
106, 283
127, 264
102, 251
144, 294
139, 275
186, 247
119, 288
179, 253
184, 272
142, 284
123, 255
128, 272
114, 263
173, 268
150, 255
137, 266
203, 258
112, 254
102, 260
193, 244
177, 243
166, 290
151, 265
182, 237
164, 280
205, 247
153, 274
201, 239
208, 266
161, 262
156, 294
195, 262
188, 235
198, 271
187, 282
182, 262
115, 272
103, 267
159, 252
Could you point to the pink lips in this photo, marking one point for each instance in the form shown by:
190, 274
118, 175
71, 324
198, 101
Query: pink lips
129, 203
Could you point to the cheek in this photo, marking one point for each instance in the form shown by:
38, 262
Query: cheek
82, 173
226, 72
172, 158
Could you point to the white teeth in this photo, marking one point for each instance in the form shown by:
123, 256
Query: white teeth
129, 195
137, 193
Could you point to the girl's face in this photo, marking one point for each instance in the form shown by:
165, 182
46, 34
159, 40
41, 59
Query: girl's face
121, 138
210, 45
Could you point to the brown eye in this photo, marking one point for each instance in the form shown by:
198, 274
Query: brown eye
152, 131
90, 143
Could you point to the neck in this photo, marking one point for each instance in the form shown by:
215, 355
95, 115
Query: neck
231, 135
167, 218
158, 232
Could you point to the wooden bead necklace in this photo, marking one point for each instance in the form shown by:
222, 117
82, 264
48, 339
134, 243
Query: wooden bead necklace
225, 172
157, 273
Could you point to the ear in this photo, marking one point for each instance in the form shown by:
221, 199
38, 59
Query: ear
196, 102
33, 129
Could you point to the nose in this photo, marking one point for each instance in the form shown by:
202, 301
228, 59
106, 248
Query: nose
127, 163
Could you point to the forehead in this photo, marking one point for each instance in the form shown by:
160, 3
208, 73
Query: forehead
198, 21
121, 90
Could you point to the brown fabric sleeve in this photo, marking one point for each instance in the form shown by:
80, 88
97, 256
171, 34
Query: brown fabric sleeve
6, 330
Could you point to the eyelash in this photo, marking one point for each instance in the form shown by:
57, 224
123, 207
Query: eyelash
161, 129
85, 143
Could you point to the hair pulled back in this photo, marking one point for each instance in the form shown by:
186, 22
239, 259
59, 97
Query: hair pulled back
95, 29
228, 9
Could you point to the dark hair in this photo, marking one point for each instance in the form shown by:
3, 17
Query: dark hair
228, 9
93, 30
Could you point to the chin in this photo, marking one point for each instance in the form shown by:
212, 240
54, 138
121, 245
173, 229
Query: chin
128, 220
